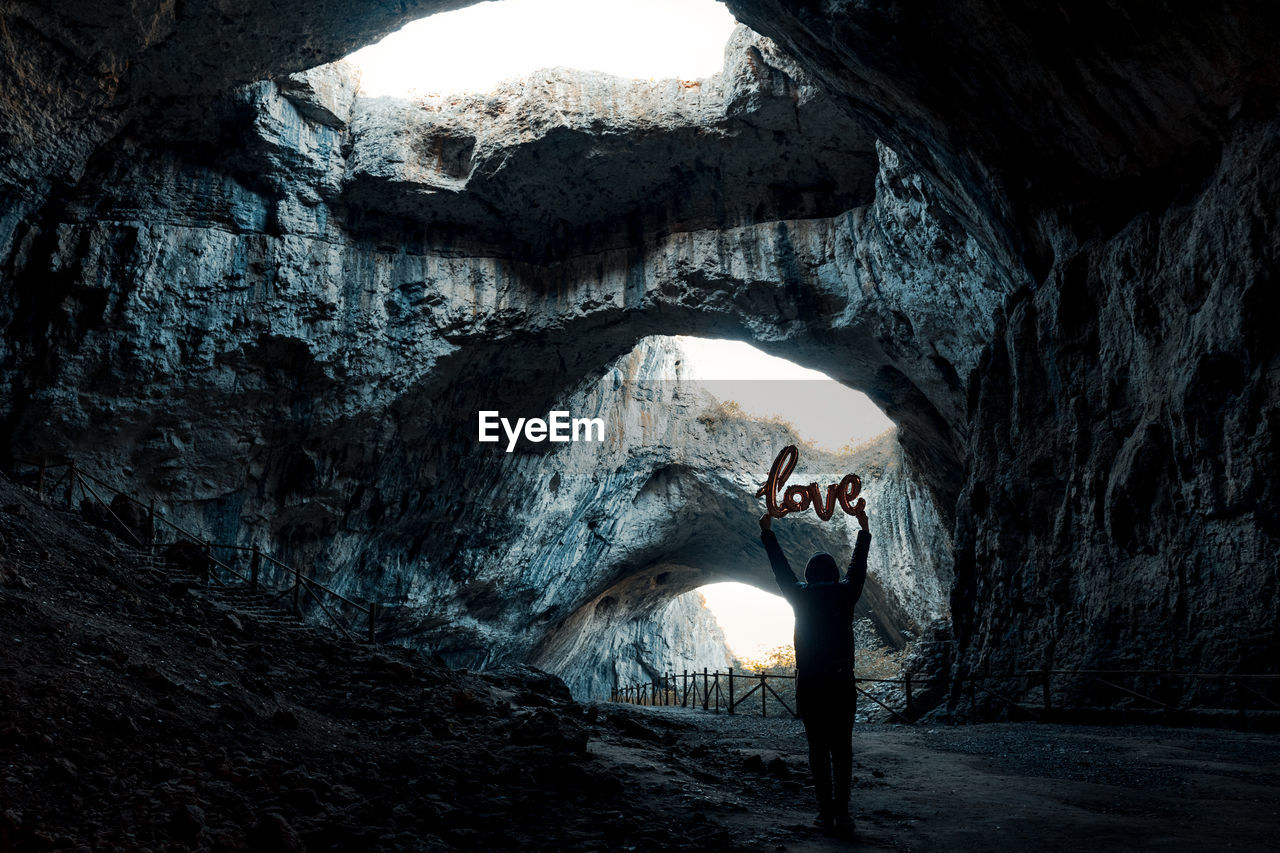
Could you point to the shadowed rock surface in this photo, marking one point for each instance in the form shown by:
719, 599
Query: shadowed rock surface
1056, 276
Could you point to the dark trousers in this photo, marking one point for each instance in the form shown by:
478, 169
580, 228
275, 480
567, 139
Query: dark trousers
829, 729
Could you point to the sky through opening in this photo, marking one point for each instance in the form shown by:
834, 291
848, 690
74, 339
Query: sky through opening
475, 48
822, 410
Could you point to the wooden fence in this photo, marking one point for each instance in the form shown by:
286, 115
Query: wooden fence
1164, 692
724, 690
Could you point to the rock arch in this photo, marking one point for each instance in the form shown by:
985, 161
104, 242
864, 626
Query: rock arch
214, 252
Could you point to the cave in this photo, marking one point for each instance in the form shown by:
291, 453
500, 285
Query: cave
1041, 239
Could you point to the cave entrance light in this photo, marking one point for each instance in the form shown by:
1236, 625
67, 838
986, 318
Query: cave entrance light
755, 623
475, 48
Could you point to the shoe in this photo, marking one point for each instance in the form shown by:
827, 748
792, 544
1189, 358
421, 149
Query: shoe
843, 825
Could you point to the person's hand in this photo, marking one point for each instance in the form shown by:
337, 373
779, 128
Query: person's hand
766, 522
860, 513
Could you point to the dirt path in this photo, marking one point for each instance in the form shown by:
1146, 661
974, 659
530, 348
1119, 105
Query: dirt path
992, 787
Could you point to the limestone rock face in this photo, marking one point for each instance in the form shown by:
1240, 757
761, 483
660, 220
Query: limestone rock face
316, 393
610, 534
304, 359
681, 634
1042, 239
326, 95
565, 162
221, 280
1124, 435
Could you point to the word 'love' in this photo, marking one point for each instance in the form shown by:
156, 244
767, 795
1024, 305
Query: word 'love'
798, 498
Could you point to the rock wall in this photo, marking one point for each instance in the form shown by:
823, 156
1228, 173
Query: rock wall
1120, 511
678, 635
1054, 274
214, 328
609, 535
1116, 512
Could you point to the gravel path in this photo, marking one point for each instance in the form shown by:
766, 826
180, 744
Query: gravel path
1010, 786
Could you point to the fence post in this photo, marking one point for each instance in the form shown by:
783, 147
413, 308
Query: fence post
730, 690
764, 696
684, 698
373, 622
706, 689
297, 591
1044, 686
907, 678
716, 678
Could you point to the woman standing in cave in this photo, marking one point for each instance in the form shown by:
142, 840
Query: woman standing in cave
825, 690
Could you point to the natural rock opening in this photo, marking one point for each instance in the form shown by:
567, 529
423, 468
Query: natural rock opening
325, 304
253, 293
677, 511
475, 48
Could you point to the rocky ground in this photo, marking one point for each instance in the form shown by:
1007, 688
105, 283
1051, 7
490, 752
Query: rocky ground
138, 714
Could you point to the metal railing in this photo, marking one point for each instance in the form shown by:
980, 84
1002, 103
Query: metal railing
217, 571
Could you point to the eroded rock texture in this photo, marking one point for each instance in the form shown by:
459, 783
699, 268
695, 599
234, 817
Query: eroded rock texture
1042, 238
315, 392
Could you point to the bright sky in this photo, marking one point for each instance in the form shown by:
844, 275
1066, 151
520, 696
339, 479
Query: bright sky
822, 410
475, 48
753, 621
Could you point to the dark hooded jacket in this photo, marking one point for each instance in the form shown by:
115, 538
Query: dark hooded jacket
823, 606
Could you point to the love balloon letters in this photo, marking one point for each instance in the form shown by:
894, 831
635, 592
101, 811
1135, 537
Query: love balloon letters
799, 498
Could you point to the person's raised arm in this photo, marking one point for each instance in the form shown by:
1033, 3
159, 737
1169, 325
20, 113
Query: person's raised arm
856, 577
778, 560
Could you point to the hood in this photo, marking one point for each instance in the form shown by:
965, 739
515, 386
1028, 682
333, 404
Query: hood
822, 568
